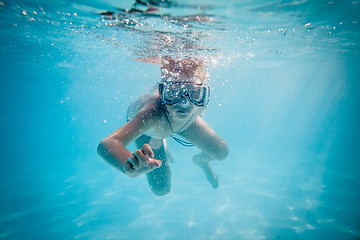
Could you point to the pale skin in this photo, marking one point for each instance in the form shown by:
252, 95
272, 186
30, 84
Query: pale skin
163, 120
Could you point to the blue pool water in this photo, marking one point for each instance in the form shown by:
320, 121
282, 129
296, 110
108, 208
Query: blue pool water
285, 96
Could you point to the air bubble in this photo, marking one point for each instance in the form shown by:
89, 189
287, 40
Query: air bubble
164, 71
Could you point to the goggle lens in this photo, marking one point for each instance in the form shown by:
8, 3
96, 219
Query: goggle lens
174, 92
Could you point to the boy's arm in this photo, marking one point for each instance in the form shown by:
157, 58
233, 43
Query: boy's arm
202, 136
113, 148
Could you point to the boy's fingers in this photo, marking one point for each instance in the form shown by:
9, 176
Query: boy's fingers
134, 161
128, 169
147, 150
131, 171
154, 163
141, 157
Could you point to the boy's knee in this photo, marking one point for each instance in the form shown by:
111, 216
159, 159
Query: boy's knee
160, 191
222, 151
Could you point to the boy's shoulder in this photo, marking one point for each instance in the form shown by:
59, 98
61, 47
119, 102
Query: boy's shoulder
152, 106
145, 104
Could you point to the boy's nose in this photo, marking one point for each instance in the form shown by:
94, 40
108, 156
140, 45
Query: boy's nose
185, 99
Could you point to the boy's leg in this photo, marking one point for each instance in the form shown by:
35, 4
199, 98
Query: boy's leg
169, 156
159, 179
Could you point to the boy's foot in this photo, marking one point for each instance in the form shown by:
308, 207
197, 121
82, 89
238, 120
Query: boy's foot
209, 173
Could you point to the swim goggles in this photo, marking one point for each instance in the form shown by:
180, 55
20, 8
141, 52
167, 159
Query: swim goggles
173, 92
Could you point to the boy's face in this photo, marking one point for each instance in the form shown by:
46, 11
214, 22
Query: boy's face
183, 73
185, 108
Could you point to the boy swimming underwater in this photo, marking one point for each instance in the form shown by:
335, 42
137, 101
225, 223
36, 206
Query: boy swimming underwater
174, 108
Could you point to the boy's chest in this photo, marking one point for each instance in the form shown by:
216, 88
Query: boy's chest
163, 128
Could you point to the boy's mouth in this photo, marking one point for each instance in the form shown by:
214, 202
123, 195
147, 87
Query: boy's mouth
182, 109
183, 112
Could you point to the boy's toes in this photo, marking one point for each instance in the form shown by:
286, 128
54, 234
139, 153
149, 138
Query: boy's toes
213, 179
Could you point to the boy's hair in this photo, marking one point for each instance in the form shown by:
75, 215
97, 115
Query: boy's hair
187, 68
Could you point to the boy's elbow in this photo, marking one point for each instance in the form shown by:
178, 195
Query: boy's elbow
101, 149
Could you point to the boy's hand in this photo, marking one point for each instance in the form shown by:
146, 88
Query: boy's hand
141, 161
